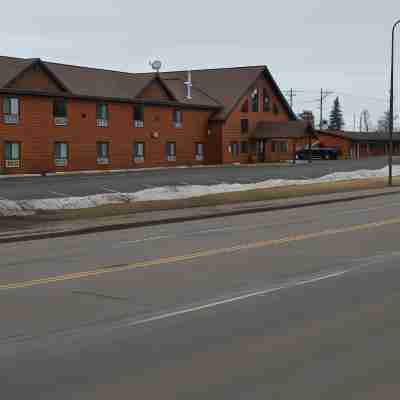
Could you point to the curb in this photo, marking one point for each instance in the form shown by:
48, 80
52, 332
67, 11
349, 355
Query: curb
133, 170
172, 220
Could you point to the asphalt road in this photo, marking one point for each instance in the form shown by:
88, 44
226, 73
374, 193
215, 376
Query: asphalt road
84, 185
296, 304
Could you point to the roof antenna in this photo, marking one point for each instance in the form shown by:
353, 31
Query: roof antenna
156, 65
189, 85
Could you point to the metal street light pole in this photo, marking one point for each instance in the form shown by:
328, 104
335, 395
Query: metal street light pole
391, 108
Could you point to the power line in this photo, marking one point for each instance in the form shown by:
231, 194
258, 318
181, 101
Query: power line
324, 95
291, 94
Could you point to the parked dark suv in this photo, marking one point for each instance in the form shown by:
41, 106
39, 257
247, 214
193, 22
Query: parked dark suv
318, 153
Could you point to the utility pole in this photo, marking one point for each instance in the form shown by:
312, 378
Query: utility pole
291, 93
324, 95
391, 111
354, 122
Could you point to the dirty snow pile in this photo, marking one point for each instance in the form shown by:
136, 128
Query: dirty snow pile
29, 207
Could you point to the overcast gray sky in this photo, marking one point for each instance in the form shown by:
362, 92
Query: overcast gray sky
342, 45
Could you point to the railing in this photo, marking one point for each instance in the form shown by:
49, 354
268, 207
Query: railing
60, 121
102, 123
138, 124
103, 161
61, 162
13, 163
11, 119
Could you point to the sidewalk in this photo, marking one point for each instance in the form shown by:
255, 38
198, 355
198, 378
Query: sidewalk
87, 226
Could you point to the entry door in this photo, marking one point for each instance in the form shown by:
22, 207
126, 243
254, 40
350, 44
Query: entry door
260, 150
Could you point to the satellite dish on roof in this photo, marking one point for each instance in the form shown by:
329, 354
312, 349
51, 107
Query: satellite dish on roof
156, 65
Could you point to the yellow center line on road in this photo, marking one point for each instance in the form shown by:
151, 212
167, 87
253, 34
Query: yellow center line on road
196, 255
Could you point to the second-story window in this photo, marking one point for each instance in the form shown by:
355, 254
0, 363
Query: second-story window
255, 100
60, 112
138, 116
11, 110
177, 118
267, 101
244, 125
102, 115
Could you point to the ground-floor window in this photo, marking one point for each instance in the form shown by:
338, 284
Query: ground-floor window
13, 154
233, 148
244, 147
138, 152
199, 151
61, 154
280, 146
244, 125
171, 151
103, 153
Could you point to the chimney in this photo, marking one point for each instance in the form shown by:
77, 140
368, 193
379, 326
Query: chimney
189, 86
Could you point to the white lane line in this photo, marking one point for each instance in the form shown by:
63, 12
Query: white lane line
239, 229
60, 194
361, 210
148, 239
183, 183
185, 234
239, 298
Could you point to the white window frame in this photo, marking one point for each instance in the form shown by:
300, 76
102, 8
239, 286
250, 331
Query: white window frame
103, 158
178, 122
61, 160
171, 156
13, 162
12, 117
139, 157
199, 154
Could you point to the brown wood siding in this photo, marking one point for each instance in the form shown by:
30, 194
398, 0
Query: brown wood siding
232, 129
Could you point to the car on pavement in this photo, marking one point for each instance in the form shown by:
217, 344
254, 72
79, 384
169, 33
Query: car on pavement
318, 153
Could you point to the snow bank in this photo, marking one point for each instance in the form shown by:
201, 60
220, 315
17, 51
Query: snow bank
29, 207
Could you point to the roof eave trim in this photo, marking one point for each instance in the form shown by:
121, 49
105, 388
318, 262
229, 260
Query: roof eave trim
157, 78
34, 62
23, 92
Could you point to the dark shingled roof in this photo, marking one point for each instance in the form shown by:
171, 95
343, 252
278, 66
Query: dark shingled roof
212, 88
363, 136
284, 130
226, 85
10, 67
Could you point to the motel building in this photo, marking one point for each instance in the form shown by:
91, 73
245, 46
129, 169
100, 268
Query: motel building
56, 117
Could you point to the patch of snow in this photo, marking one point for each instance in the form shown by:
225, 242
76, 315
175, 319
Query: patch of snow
29, 207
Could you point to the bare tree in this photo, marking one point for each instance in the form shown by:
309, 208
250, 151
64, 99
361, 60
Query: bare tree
365, 119
384, 122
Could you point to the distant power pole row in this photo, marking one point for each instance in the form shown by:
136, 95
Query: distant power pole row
323, 96
291, 93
